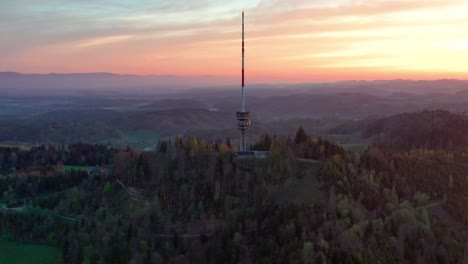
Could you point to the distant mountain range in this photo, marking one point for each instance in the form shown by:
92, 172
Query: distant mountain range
13, 82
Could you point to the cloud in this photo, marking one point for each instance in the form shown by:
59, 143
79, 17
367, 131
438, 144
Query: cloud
200, 37
103, 41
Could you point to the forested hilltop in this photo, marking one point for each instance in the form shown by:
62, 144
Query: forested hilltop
192, 201
428, 129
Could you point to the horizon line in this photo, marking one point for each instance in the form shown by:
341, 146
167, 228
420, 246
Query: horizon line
232, 77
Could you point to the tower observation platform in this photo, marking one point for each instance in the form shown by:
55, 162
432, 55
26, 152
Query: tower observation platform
243, 121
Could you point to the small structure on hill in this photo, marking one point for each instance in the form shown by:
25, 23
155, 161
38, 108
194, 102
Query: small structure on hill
253, 154
96, 170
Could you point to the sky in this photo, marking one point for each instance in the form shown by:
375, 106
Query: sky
286, 40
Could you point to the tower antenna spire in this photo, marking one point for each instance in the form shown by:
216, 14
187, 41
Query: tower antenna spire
243, 117
243, 55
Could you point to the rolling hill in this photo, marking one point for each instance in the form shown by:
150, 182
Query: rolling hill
435, 129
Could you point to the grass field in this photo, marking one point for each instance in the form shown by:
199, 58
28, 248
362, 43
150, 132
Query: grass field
18, 253
300, 191
74, 167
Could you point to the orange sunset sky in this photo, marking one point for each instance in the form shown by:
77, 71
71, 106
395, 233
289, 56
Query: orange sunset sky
295, 40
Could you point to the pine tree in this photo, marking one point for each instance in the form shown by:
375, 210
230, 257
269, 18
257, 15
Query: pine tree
301, 136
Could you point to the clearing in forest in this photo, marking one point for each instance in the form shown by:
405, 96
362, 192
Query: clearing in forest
19, 253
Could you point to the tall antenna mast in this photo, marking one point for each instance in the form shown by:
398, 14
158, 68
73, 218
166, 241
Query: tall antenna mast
243, 54
243, 117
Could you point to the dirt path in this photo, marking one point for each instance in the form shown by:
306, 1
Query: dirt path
5, 209
432, 204
134, 194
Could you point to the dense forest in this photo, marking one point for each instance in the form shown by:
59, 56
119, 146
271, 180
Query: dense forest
428, 129
192, 201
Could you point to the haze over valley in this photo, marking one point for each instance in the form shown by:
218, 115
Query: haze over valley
138, 111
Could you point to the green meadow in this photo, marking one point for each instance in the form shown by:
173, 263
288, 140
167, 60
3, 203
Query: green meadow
19, 253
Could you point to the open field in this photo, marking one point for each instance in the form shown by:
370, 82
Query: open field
18, 253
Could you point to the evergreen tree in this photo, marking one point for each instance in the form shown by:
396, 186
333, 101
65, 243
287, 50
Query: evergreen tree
301, 136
